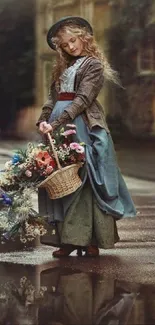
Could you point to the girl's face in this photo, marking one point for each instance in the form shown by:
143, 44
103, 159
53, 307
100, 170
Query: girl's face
72, 44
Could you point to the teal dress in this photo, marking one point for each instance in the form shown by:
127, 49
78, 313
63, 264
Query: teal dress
88, 216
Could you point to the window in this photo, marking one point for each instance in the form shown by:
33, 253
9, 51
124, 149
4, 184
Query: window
146, 59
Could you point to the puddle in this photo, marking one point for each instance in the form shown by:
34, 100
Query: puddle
39, 295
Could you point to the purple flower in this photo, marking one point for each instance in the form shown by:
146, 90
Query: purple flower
6, 199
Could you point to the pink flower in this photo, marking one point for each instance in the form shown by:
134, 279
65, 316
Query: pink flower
71, 126
49, 169
43, 158
68, 132
28, 173
80, 150
76, 146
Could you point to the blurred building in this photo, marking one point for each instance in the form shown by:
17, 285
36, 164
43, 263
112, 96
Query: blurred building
137, 110
132, 50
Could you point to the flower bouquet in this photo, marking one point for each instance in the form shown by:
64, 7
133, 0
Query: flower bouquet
19, 219
32, 166
27, 167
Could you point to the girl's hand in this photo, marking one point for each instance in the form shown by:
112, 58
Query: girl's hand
45, 127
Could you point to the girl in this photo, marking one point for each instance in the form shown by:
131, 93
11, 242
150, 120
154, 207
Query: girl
86, 219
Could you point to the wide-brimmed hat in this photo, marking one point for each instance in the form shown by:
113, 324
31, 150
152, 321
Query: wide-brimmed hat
79, 21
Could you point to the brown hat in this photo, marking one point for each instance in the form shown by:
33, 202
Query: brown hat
79, 21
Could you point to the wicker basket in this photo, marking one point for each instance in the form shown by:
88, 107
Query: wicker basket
64, 181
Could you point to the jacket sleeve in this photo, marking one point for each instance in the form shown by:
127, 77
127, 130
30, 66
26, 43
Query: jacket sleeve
46, 110
88, 90
63, 119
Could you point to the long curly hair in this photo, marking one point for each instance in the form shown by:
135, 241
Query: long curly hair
91, 48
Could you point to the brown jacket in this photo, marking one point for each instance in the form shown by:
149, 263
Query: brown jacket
88, 83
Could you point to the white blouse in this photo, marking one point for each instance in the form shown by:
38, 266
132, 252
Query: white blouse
68, 76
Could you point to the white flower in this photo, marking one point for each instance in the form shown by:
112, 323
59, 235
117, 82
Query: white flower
36, 231
43, 232
23, 240
28, 159
26, 224
23, 280
28, 173
8, 164
40, 145
22, 166
3, 222
43, 288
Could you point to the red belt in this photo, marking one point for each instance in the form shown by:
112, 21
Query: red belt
66, 96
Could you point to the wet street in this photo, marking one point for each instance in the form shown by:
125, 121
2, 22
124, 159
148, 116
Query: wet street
117, 288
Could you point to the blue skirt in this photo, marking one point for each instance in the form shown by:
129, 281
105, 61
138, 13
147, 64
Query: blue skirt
101, 169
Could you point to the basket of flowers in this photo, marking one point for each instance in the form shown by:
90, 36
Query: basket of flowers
65, 180
54, 166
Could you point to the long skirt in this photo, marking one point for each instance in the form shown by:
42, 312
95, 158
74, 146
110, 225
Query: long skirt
88, 216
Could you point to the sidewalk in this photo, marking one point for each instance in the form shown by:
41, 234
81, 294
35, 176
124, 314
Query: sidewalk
137, 162
136, 158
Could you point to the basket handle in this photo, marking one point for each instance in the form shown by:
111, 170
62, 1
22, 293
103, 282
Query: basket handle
54, 151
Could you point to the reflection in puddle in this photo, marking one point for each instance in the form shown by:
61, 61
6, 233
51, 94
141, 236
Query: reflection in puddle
60, 296
84, 298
